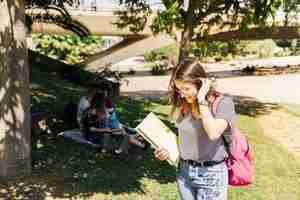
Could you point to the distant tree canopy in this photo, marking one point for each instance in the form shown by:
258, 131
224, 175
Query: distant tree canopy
194, 20
197, 20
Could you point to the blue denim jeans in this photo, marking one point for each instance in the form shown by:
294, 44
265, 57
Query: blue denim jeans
203, 183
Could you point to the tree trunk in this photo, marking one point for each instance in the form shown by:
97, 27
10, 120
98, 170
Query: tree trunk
14, 91
187, 34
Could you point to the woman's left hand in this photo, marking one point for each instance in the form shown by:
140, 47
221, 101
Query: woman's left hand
201, 96
161, 154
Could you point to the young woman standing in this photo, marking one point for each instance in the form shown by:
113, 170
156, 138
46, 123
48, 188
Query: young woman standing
203, 173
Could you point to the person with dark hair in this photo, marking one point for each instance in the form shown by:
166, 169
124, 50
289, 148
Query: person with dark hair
115, 125
95, 125
103, 127
97, 99
203, 173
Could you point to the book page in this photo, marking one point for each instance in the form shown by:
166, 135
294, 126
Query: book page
159, 135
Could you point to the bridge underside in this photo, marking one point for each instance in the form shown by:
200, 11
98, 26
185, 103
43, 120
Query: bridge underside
102, 24
98, 23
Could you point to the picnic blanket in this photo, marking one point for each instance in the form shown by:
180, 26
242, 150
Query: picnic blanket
77, 136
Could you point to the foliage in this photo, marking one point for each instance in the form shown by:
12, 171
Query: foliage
262, 48
249, 12
218, 50
292, 47
158, 68
269, 48
135, 16
291, 9
155, 55
246, 48
69, 48
196, 20
45, 3
53, 12
107, 73
169, 19
168, 52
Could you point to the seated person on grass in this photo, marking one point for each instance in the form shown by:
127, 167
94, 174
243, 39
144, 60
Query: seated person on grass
115, 124
98, 130
128, 135
95, 127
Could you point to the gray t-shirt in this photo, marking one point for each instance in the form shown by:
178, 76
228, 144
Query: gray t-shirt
194, 143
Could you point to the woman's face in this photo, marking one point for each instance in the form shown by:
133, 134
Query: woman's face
186, 90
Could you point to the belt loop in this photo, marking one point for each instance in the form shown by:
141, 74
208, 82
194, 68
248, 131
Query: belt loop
201, 164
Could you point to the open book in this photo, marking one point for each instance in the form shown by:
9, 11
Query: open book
158, 134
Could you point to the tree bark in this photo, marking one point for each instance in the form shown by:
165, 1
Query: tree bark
14, 91
188, 31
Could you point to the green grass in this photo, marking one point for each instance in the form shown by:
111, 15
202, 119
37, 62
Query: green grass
65, 169
277, 172
293, 109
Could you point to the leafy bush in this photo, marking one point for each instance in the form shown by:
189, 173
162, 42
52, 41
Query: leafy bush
69, 48
233, 49
291, 47
261, 48
153, 56
228, 50
218, 50
162, 53
158, 68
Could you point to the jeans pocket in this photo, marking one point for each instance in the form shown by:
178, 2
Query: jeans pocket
211, 177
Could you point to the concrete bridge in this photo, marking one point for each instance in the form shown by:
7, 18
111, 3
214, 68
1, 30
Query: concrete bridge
98, 17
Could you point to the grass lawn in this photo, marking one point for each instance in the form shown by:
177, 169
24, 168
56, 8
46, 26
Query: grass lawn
67, 170
293, 109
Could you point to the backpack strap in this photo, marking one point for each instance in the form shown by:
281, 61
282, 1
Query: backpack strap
216, 102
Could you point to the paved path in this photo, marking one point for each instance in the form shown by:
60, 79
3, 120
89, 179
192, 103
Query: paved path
138, 64
276, 89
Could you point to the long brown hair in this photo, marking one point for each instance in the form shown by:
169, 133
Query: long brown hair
189, 70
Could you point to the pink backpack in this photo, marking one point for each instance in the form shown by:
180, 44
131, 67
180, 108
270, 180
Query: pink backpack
240, 162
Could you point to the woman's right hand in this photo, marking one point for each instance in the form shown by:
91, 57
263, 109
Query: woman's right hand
201, 96
161, 154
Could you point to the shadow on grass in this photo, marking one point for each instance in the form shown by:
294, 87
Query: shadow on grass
65, 169
244, 105
252, 107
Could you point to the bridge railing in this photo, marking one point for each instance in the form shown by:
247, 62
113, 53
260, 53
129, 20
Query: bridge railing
108, 5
